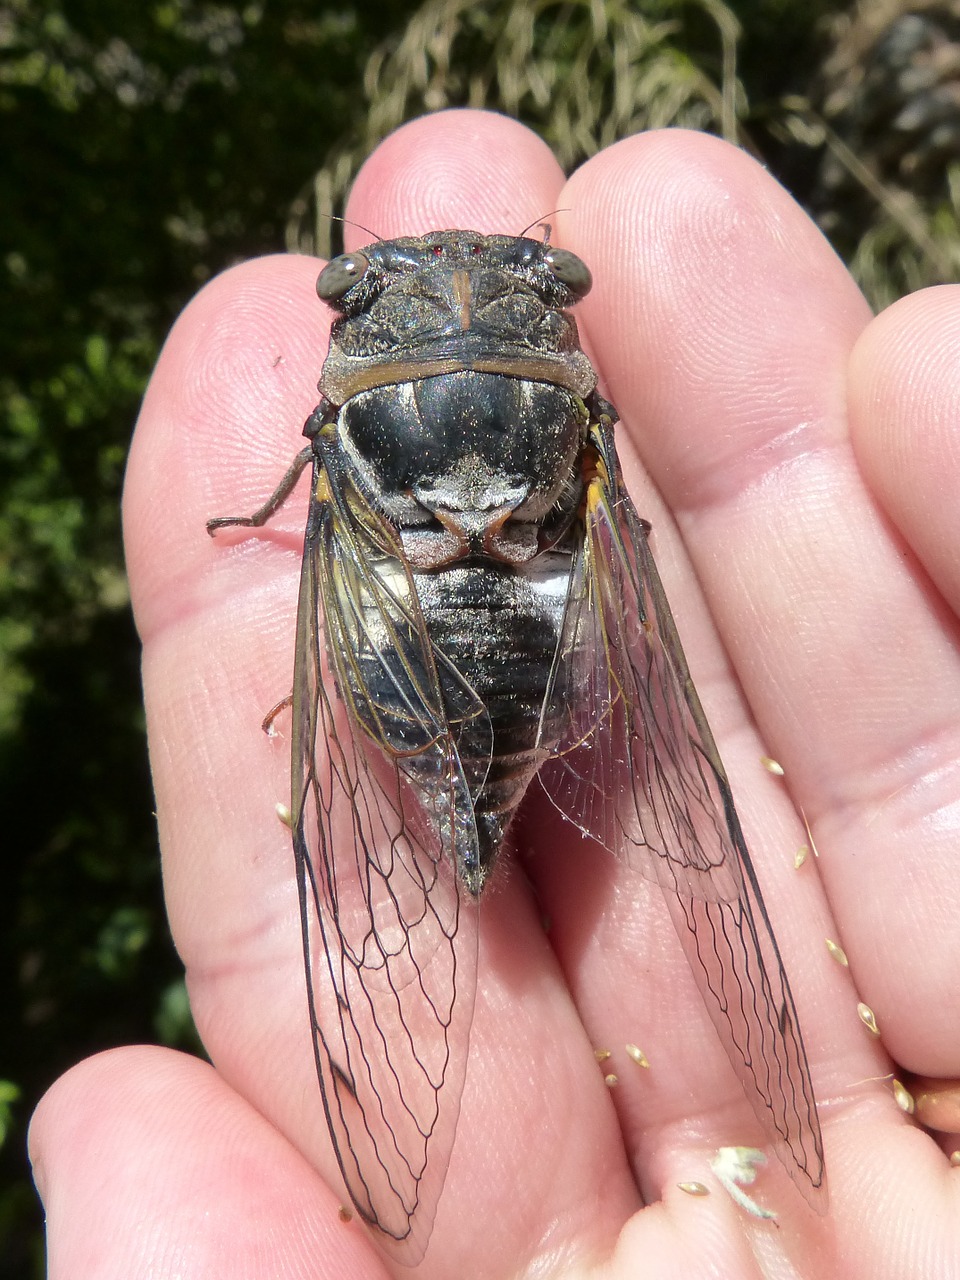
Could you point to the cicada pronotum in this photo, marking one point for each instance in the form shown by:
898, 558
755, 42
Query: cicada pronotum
479, 605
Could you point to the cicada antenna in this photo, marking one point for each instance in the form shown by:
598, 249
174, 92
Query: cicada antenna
348, 222
542, 222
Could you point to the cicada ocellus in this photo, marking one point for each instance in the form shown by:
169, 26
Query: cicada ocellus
479, 605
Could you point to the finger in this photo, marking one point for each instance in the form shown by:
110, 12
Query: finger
148, 1164
219, 424
904, 390
469, 170
722, 322
483, 172
904, 397
725, 326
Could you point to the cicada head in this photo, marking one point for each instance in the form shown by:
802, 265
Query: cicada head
451, 301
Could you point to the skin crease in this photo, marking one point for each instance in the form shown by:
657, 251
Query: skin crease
795, 458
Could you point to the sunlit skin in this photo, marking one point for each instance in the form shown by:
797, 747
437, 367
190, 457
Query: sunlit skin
798, 463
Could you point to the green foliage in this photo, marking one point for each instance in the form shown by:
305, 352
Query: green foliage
145, 148
173, 1022
9, 1094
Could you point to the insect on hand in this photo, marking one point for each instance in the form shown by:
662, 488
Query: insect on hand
479, 604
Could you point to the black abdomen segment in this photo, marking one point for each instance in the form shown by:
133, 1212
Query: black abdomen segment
500, 627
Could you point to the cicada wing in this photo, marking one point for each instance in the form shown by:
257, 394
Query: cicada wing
640, 772
381, 813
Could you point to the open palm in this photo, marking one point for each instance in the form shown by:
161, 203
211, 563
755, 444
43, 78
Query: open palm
797, 464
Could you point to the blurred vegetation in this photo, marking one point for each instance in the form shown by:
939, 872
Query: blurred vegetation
146, 148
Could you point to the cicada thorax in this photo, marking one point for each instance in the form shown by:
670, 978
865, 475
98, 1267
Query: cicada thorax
479, 473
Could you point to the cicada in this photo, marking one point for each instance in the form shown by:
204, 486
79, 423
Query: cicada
479, 605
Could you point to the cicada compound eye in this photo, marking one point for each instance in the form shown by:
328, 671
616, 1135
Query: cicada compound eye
341, 274
570, 270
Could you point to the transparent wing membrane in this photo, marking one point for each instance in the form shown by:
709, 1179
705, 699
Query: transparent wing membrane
639, 772
389, 935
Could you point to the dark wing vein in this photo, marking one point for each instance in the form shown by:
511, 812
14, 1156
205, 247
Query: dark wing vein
379, 816
645, 779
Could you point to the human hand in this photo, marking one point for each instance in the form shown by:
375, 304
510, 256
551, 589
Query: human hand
801, 452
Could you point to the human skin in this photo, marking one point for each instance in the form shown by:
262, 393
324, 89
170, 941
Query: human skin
799, 463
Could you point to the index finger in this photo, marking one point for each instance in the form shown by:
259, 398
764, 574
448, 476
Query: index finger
218, 426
